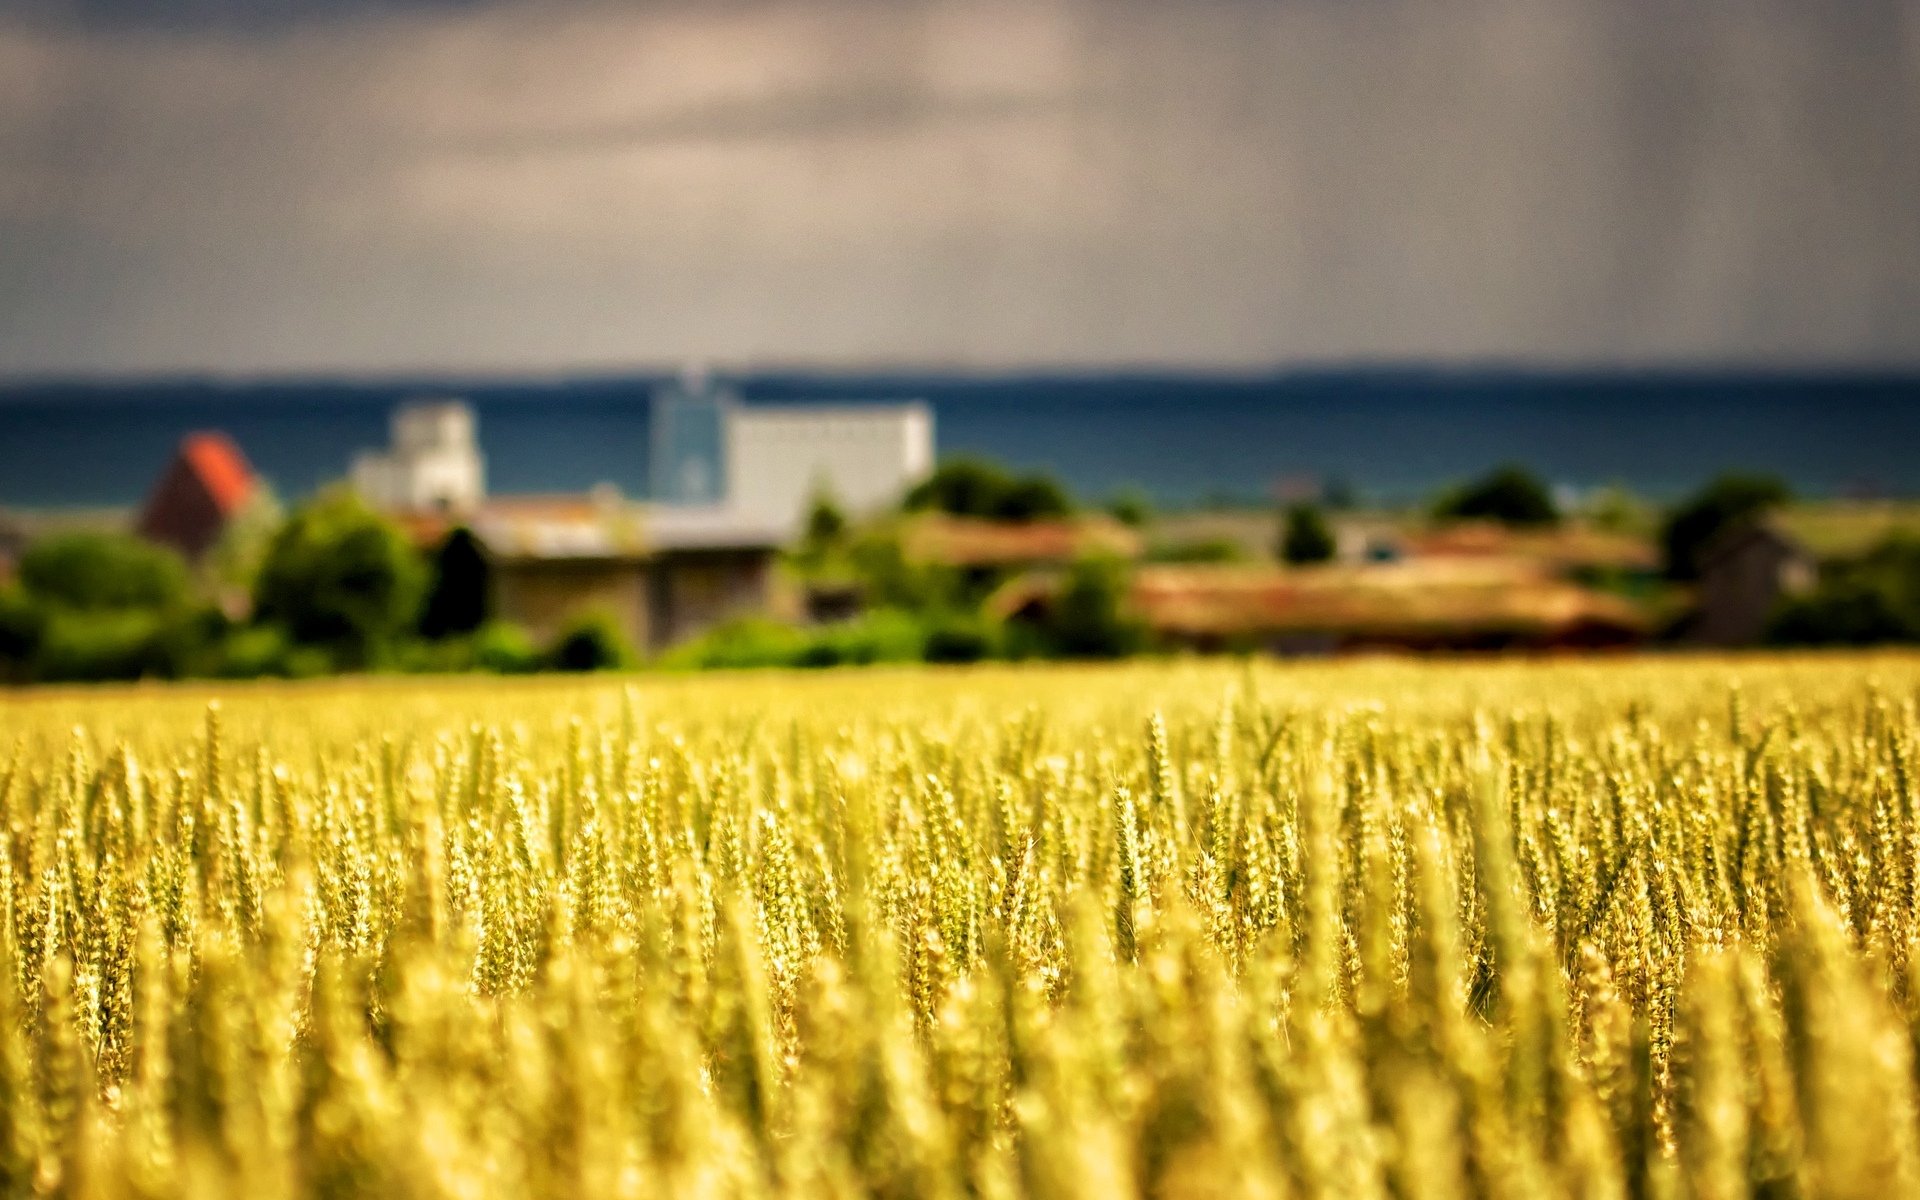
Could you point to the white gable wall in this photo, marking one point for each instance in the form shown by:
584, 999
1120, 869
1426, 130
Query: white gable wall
866, 456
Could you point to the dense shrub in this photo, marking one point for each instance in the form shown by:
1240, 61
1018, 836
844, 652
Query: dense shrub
1510, 494
1869, 600
591, 642
1089, 618
95, 572
460, 595
81, 646
504, 649
958, 638
1305, 536
1198, 550
970, 487
1721, 505
338, 575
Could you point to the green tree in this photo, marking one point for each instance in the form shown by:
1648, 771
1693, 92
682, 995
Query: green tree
1509, 494
1721, 505
338, 575
1131, 507
823, 540
460, 598
973, 487
234, 562
1032, 498
591, 642
1871, 599
964, 487
1305, 537
1090, 617
21, 624
103, 572
826, 520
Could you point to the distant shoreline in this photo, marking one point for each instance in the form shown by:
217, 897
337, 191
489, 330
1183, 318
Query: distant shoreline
1394, 432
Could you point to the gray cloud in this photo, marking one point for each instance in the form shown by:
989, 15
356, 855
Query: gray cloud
549, 184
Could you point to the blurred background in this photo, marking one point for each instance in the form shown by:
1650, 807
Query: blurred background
434, 334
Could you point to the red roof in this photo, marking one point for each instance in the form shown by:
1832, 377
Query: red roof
205, 486
221, 469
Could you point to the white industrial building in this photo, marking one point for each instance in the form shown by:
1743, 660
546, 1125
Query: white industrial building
864, 456
434, 462
765, 464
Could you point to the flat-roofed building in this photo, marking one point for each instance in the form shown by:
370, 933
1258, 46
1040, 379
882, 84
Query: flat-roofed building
767, 462
433, 463
865, 456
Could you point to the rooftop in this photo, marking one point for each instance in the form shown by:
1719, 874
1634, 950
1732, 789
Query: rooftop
972, 542
221, 468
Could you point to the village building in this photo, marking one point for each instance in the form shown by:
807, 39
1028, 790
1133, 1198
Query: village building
433, 463
1494, 604
1745, 574
662, 576
202, 491
768, 463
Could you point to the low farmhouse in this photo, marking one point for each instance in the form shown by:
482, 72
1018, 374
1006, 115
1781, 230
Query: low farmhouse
1745, 574
663, 575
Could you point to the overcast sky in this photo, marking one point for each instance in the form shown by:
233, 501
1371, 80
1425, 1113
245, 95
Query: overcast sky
281, 185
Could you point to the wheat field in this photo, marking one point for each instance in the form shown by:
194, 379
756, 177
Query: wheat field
1634, 928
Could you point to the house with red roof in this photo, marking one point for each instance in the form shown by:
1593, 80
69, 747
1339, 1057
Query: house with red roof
203, 489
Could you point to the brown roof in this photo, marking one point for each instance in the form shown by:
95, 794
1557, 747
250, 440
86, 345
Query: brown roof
1385, 601
973, 542
1569, 545
590, 526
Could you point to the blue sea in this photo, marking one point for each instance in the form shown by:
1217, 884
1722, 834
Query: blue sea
1393, 434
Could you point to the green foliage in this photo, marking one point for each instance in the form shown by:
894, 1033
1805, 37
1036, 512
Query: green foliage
879, 636
741, 643
591, 642
254, 652
971, 487
892, 581
98, 645
339, 576
234, 561
21, 622
1721, 505
460, 598
1089, 618
1305, 537
884, 635
1867, 601
1509, 494
961, 638
91, 646
503, 649
1033, 498
826, 521
103, 572
1198, 550
1131, 507
1614, 509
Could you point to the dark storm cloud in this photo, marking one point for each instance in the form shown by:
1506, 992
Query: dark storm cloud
537, 183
